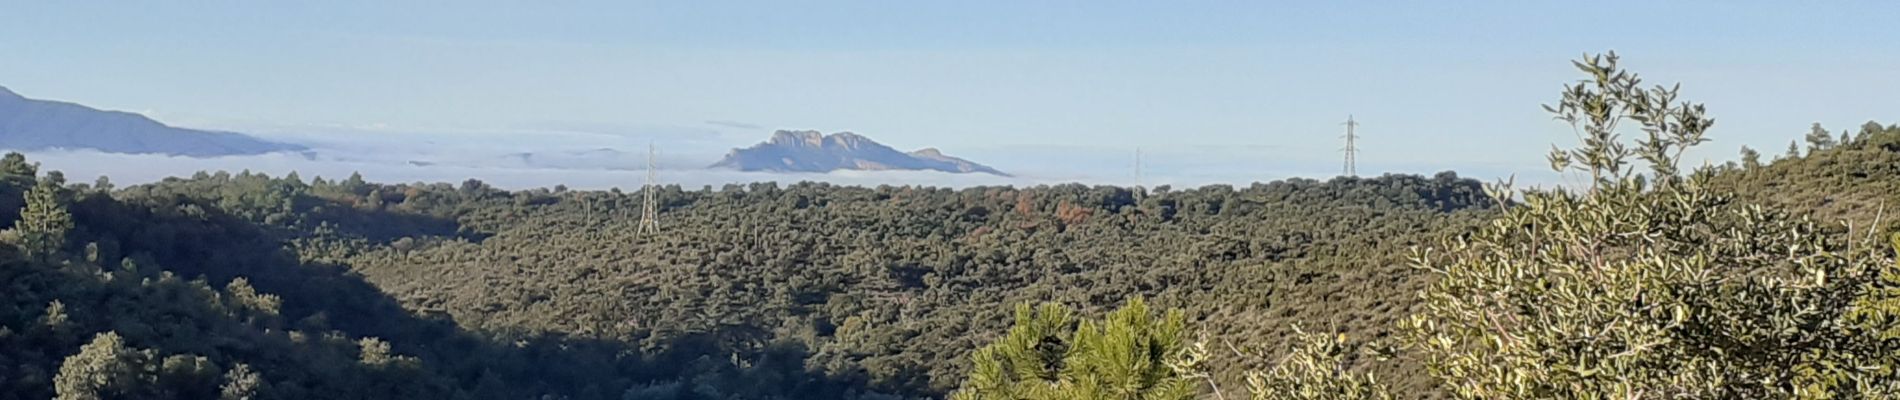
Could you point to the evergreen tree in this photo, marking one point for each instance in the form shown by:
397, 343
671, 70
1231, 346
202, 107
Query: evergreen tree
1750, 158
44, 222
104, 368
184, 376
103, 184
253, 305
373, 352
240, 383
1027, 362
374, 201
15, 168
55, 318
354, 184
1819, 138
1868, 129
1047, 355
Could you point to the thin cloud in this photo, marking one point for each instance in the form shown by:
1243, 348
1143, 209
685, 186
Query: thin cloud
735, 124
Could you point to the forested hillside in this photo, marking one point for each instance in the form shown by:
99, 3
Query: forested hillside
826, 290
146, 293
245, 286
348, 289
1650, 279
894, 286
1849, 178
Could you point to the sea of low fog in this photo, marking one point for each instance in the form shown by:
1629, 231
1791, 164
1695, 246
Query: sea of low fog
597, 162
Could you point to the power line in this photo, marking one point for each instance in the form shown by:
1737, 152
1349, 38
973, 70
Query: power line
1352, 146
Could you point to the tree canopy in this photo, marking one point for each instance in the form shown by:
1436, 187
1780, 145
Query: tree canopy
1757, 280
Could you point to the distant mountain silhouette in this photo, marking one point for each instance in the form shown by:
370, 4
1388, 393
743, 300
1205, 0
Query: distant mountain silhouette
29, 124
811, 151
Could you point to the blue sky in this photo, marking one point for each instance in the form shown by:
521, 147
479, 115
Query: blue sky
1208, 88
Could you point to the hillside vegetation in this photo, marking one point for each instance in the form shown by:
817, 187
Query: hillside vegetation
243, 285
865, 289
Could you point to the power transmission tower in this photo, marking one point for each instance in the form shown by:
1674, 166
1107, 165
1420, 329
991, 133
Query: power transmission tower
1138, 177
1352, 146
650, 216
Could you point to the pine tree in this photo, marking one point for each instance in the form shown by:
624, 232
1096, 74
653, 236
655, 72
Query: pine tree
1131, 355
375, 200
184, 376
103, 184
1819, 138
1866, 130
14, 168
1750, 158
44, 222
240, 383
373, 351
1027, 362
1048, 355
103, 368
355, 184
55, 318
254, 306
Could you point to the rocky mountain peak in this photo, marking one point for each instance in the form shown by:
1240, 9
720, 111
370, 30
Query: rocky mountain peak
812, 151
798, 138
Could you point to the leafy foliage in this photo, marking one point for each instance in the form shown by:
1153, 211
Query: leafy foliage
1645, 288
1316, 369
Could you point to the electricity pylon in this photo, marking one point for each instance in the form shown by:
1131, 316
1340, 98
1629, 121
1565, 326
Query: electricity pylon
650, 215
1352, 147
1138, 174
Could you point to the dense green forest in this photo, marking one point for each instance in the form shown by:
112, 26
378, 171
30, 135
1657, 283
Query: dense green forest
830, 288
245, 285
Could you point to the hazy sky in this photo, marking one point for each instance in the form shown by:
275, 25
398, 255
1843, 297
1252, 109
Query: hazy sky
1438, 85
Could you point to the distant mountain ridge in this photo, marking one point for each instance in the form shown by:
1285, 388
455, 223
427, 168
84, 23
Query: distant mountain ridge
29, 124
812, 151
